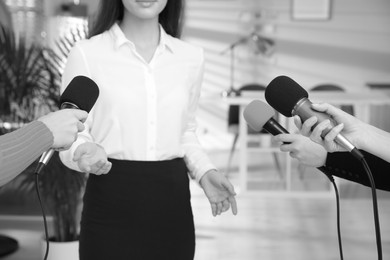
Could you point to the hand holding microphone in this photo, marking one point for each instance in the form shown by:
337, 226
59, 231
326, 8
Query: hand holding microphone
259, 115
80, 94
352, 128
290, 99
64, 125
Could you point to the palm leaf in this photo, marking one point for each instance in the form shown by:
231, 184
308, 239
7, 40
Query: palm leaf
30, 80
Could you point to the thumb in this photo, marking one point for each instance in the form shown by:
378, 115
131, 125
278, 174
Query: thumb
229, 187
80, 115
298, 122
80, 151
322, 107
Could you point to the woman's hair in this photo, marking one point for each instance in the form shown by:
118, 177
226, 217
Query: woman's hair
111, 11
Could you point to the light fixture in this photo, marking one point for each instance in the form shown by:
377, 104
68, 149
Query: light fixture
261, 45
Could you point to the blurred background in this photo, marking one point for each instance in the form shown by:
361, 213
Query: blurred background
286, 210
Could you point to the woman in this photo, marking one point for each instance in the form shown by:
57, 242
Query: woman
140, 139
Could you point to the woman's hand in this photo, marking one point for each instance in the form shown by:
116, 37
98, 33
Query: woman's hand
219, 191
92, 158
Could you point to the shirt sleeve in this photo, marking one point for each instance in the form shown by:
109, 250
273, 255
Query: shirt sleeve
198, 163
76, 65
344, 165
22, 147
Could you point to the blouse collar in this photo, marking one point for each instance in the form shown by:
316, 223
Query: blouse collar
120, 38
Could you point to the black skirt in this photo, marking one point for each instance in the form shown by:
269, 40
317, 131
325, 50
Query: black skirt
140, 210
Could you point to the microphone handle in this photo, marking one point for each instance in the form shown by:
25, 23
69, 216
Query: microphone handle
69, 105
304, 110
273, 127
46, 156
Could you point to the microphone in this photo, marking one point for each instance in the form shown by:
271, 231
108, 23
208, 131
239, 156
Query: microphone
81, 93
290, 99
259, 115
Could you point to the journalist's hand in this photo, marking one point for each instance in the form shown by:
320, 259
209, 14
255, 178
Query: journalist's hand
64, 125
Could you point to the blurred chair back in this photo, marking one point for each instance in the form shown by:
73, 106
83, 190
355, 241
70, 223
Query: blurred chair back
234, 110
333, 87
233, 123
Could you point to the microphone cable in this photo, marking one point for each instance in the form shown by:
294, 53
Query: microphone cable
43, 214
330, 177
375, 208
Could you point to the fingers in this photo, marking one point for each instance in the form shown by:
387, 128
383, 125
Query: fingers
293, 155
288, 141
80, 127
231, 199
316, 135
233, 203
98, 168
84, 167
308, 125
225, 205
285, 148
229, 187
214, 209
333, 133
81, 115
219, 208
103, 167
298, 122
283, 138
80, 151
325, 107
63, 148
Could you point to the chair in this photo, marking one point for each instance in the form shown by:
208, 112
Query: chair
233, 124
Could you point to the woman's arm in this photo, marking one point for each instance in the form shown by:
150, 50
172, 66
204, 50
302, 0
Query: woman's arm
76, 65
196, 159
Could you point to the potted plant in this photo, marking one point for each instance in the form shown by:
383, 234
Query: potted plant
61, 190
30, 79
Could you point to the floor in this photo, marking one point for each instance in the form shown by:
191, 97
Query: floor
271, 223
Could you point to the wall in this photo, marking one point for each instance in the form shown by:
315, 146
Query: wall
52, 7
5, 16
350, 49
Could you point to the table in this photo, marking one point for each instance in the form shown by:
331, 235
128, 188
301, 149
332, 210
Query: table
361, 101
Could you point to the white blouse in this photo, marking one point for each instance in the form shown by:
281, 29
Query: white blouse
145, 111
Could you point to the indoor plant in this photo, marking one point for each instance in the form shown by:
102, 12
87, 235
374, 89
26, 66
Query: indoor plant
30, 79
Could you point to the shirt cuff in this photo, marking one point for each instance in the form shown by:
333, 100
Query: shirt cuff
68, 155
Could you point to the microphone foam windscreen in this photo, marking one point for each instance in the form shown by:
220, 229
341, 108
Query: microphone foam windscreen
283, 93
257, 113
81, 91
